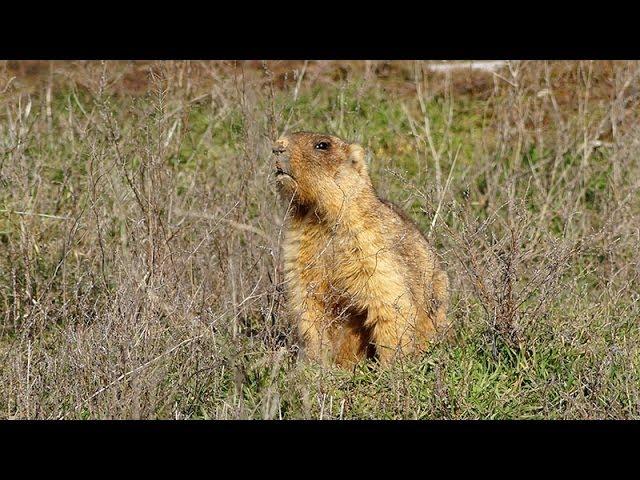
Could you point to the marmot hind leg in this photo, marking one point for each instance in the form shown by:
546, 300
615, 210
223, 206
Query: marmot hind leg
392, 332
354, 341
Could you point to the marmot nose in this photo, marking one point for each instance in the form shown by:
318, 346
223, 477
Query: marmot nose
279, 146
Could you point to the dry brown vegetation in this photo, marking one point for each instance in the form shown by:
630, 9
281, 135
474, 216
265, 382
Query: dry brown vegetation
140, 237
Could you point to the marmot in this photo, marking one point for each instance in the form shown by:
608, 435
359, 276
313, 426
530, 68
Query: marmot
362, 280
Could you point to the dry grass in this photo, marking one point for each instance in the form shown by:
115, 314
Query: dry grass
140, 237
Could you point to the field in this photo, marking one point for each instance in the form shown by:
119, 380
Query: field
140, 234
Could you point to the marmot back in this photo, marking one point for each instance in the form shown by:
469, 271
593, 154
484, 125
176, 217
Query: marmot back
362, 280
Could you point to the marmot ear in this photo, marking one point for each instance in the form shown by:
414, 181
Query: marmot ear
356, 156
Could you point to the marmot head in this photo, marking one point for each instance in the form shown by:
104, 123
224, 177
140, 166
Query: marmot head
313, 169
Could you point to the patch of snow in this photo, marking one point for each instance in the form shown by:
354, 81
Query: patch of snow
486, 65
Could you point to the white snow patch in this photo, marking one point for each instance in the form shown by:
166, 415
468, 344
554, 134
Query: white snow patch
485, 65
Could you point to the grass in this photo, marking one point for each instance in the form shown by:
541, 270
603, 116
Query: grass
140, 231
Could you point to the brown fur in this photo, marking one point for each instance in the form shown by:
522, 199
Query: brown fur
362, 280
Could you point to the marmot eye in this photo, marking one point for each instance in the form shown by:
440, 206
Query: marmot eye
322, 145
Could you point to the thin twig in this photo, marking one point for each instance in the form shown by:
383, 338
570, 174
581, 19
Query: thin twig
43, 215
237, 225
446, 187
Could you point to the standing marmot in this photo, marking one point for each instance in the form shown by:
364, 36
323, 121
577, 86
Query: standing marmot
362, 281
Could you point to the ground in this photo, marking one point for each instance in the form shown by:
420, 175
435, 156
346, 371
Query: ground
140, 232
